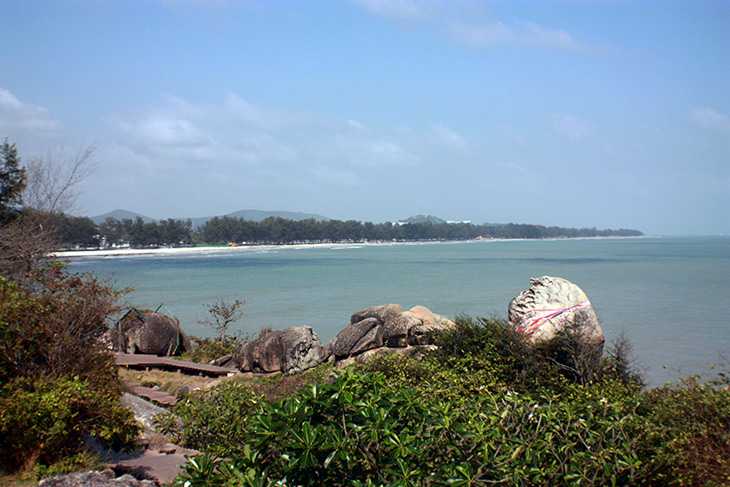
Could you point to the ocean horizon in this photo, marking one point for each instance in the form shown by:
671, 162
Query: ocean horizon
668, 295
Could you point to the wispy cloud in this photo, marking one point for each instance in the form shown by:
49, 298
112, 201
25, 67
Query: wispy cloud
469, 23
399, 9
569, 126
17, 116
711, 120
449, 137
520, 34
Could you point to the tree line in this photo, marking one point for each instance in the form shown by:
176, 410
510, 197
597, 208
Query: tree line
82, 232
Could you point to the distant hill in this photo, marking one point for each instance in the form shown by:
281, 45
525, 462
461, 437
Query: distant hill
250, 215
258, 215
422, 219
121, 215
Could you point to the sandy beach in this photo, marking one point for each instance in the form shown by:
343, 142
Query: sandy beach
128, 252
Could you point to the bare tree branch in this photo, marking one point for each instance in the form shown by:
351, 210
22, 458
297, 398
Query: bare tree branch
51, 179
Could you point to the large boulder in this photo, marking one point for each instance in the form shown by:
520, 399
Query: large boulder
385, 326
357, 338
549, 306
382, 313
291, 350
154, 334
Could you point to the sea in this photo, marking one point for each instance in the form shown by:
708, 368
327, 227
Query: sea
670, 296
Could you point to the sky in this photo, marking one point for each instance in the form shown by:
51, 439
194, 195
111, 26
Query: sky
613, 114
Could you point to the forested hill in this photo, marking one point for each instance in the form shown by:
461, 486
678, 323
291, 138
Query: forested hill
83, 232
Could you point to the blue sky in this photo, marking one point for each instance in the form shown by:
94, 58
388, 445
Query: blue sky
575, 113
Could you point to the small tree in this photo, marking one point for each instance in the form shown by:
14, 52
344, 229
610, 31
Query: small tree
12, 180
222, 313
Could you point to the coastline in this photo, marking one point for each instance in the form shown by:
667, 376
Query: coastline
161, 251
128, 252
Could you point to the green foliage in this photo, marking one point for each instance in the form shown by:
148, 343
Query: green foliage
206, 349
214, 420
57, 381
492, 346
688, 432
52, 325
46, 419
360, 429
473, 413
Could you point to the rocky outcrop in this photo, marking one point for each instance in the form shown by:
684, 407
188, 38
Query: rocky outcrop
387, 326
105, 478
291, 350
154, 334
549, 306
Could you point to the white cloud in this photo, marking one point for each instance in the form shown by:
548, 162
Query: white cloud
396, 9
262, 148
16, 116
569, 126
523, 34
468, 22
258, 116
711, 120
449, 137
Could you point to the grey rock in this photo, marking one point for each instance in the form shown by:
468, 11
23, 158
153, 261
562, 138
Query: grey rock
357, 338
418, 334
144, 411
382, 313
158, 334
105, 478
551, 304
395, 330
291, 350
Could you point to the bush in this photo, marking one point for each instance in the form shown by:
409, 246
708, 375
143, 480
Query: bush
53, 326
359, 430
479, 411
59, 384
688, 432
44, 420
205, 350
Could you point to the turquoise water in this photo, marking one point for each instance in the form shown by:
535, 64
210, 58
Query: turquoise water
669, 295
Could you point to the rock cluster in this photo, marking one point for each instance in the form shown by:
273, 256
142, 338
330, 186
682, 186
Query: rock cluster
549, 306
541, 312
385, 328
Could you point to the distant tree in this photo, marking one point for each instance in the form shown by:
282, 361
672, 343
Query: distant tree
222, 314
12, 181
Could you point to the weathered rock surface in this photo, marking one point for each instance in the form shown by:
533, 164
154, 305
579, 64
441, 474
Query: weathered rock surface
386, 326
158, 334
291, 350
551, 304
382, 313
106, 478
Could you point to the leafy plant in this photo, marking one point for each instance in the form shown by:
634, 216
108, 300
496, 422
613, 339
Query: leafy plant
44, 420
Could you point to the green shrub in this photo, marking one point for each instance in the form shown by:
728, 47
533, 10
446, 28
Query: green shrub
214, 420
208, 349
44, 420
58, 383
359, 429
688, 432
488, 408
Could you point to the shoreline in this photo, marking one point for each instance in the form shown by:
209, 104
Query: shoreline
161, 251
